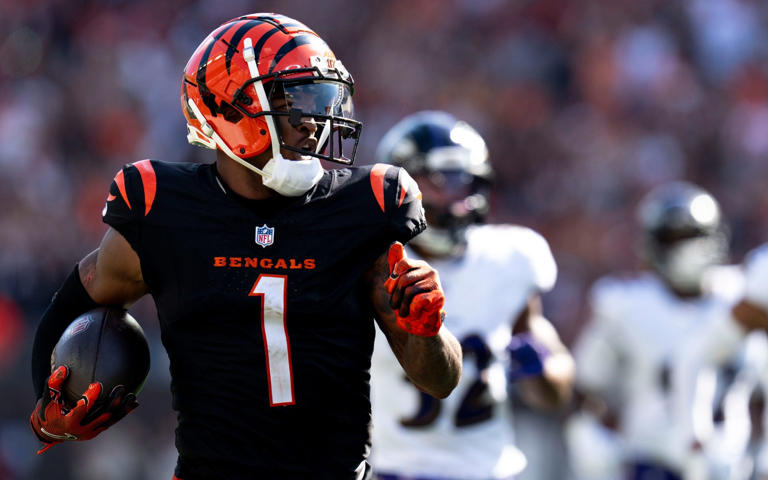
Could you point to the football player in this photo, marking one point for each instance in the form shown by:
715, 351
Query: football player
625, 356
493, 276
739, 334
267, 270
750, 316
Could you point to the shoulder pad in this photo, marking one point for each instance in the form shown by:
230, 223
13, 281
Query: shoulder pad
607, 296
611, 295
725, 282
392, 186
126, 191
517, 247
535, 249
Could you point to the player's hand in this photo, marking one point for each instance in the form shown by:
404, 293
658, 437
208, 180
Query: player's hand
54, 422
526, 356
415, 293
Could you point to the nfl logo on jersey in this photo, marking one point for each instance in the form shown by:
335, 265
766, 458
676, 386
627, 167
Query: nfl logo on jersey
265, 235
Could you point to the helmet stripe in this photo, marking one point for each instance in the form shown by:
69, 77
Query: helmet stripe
208, 98
278, 21
289, 46
240, 33
272, 21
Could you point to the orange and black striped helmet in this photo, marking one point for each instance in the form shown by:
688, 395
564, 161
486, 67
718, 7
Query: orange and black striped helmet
234, 75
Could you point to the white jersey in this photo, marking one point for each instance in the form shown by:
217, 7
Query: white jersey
756, 272
735, 445
626, 354
739, 441
469, 434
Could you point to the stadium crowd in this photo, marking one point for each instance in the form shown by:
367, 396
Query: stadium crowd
585, 105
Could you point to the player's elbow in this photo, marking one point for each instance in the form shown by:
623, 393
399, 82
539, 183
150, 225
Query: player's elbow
441, 382
438, 391
453, 383
433, 364
439, 394
444, 390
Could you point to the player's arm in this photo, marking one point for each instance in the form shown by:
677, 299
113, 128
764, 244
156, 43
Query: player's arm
751, 313
750, 316
599, 357
540, 359
407, 301
714, 343
110, 275
591, 428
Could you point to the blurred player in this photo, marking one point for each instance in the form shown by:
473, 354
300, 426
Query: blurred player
493, 276
625, 355
740, 445
751, 317
267, 270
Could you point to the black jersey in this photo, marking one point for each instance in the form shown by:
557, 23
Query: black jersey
267, 328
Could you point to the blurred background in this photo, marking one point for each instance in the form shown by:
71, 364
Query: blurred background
585, 105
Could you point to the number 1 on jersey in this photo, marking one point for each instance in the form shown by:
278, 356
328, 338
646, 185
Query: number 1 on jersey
272, 289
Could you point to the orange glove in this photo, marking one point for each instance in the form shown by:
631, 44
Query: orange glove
416, 295
53, 422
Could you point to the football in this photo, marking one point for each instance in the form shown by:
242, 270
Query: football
104, 345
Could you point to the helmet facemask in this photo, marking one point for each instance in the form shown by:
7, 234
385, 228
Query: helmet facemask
321, 96
230, 88
326, 104
462, 202
684, 262
683, 235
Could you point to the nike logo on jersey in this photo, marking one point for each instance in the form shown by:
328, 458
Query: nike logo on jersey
265, 263
66, 436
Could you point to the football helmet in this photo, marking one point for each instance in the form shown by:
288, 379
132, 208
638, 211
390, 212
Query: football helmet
449, 161
254, 68
683, 234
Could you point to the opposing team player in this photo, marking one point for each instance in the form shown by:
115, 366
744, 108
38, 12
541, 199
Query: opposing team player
626, 355
266, 269
750, 315
493, 276
740, 445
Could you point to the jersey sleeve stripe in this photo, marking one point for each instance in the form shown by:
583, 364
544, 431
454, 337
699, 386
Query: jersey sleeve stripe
403, 191
120, 182
377, 183
407, 188
149, 181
